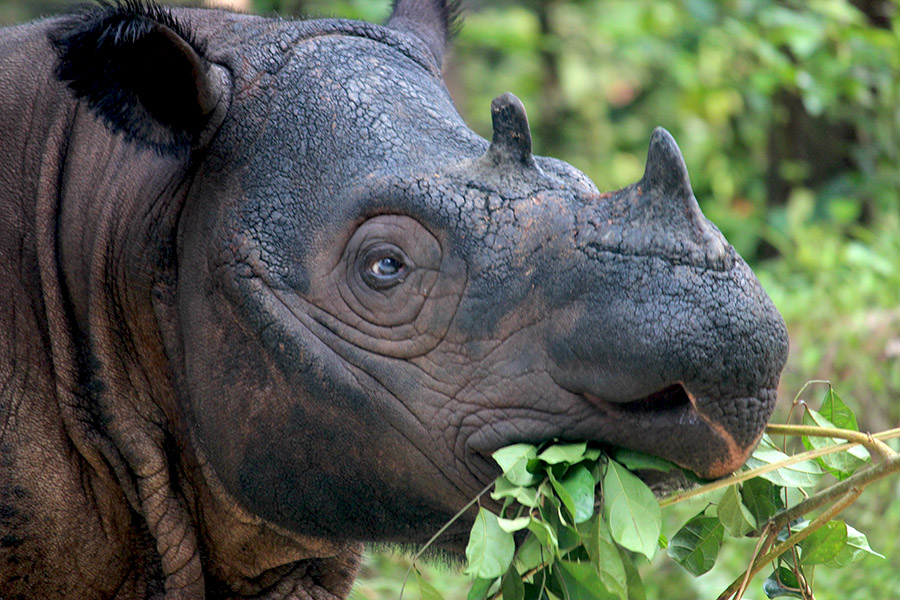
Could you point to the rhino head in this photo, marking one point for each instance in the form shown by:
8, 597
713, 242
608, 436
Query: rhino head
366, 299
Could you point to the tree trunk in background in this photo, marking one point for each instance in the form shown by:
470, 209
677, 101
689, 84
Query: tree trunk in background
552, 110
879, 12
822, 145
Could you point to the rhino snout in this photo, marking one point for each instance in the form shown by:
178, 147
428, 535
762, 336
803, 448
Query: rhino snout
673, 424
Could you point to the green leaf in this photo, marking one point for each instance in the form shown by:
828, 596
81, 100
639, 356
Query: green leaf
536, 591
512, 586
480, 588
562, 493
569, 538
663, 541
856, 548
545, 534
737, 519
774, 585
606, 560
762, 498
531, 554
842, 464
513, 525
563, 453
580, 581
580, 484
834, 409
635, 461
631, 510
824, 544
526, 496
635, 585
514, 462
802, 474
592, 454
490, 550
696, 545
426, 590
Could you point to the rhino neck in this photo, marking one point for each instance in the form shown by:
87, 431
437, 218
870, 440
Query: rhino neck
113, 216
47, 439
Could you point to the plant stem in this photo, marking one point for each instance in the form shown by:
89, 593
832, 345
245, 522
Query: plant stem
848, 499
440, 531
766, 538
871, 443
745, 475
843, 494
859, 480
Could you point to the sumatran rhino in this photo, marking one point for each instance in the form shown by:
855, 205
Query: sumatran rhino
265, 296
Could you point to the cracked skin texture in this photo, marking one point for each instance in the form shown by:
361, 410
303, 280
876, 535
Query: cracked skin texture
265, 297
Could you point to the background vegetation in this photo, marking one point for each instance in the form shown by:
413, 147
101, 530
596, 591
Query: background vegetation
788, 114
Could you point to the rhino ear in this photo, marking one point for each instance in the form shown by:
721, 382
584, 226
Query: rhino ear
141, 71
432, 21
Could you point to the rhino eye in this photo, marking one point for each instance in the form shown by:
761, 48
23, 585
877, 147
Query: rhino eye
385, 267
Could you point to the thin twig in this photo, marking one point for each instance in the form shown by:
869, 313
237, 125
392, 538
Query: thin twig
762, 546
431, 540
859, 480
848, 499
871, 443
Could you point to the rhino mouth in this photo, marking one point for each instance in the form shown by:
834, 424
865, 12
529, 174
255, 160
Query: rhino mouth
672, 423
673, 398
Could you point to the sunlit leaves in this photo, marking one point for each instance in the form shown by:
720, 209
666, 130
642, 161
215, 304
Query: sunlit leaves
579, 485
635, 461
631, 510
514, 462
573, 551
564, 453
605, 556
834, 409
856, 548
580, 581
569, 552
512, 586
782, 583
762, 498
840, 464
490, 549
802, 474
480, 588
426, 590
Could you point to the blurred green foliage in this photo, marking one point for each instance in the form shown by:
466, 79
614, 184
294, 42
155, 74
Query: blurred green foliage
788, 114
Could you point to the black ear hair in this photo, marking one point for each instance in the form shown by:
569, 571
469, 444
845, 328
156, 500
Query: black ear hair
141, 71
432, 21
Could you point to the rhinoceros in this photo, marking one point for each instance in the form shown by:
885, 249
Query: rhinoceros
266, 297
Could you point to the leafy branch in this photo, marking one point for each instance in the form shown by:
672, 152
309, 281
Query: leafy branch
748, 474
582, 516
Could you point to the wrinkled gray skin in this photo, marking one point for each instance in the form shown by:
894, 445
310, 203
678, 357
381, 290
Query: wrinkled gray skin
264, 296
